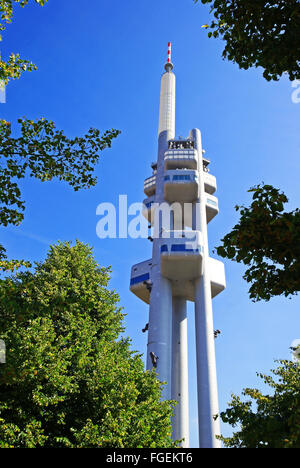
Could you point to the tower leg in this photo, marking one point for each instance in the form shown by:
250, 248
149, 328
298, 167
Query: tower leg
180, 372
160, 331
208, 405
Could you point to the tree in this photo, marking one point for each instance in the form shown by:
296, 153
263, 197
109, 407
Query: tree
69, 379
260, 33
266, 240
276, 421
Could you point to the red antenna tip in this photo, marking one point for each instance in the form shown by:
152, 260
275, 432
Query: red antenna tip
169, 52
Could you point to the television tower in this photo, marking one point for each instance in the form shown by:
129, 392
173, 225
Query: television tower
179, 205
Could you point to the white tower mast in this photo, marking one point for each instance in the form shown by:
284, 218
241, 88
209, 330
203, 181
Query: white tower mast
179, 206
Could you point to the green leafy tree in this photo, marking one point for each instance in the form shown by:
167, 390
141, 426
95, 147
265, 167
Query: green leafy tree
274, 422
69, 379
260, 33
266, 240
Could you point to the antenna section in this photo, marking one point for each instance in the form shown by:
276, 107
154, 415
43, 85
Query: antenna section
169, 65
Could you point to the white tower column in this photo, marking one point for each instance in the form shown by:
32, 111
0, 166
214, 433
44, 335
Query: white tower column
180, 372
167, 101
160, 315
208, 405
160, 331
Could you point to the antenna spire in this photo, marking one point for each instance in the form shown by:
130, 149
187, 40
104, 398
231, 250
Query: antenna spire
169, 64
169, 52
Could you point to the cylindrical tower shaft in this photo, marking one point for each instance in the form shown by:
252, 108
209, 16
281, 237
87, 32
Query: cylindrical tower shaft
180, 372
160, 314
160, 330
208, 406
167, 103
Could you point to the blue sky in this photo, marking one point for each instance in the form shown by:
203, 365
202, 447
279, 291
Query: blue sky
100, 65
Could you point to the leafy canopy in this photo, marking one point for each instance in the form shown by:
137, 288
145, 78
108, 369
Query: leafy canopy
275, 422
266, 240
260, 33
69, 379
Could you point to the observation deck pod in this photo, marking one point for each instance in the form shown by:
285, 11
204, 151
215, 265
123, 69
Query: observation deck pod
148, 209
181, 255
150, 186
181, 159
217, 276
181, 185
212, 207
210, 183
186, 288
140, 281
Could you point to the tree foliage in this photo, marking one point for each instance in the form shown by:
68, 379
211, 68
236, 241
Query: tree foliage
69, 379
15, 66
275, 420
266, 240
260, 33
44, 152
7, 265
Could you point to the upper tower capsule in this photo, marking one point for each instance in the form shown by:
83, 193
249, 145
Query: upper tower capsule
167, 101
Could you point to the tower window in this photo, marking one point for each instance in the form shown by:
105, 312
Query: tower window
181, 144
